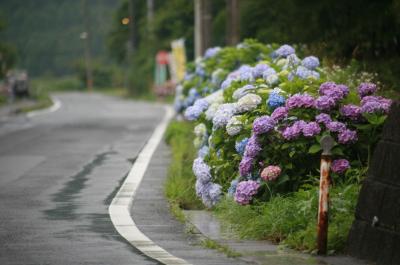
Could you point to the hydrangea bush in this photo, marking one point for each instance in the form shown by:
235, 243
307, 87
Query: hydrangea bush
261, 112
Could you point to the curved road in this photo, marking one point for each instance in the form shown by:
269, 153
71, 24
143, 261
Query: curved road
58, 174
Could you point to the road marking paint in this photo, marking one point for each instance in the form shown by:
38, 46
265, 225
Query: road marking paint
56, 106
120, 206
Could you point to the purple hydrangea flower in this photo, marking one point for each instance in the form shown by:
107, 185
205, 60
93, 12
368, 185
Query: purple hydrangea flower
324, 87
365, 89
340, 166
325, 103
311, 129
246, 166
201, 170
285, 50
300, 101
310, 62
335, 126
372, 104
241, 145
345, 89
275, 100
350, 111
211, 52
245, 191
347, 136
279, 113
293, 131
323, 118
332, 90
253, 147
263, 124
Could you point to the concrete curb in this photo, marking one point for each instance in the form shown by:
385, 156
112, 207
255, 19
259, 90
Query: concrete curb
56, 106
120, 206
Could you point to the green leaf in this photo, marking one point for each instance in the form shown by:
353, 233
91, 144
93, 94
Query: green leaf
337, 151
291, 154
285, 146
314, 149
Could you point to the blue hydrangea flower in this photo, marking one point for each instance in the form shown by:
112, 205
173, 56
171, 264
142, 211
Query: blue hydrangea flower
303, 72
192, 113
232, 188
285, 50
203, 152
310, 62
201, 104
201, 170
227, 83
293, 60
268, 72
211, 52
259, 69
240, 146
193, 93
275, 100
200, 70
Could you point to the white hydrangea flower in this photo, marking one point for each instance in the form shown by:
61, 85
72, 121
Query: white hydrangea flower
281, 62
248, 102
224, 114
210, 113
200, 130
234, 126
272, 80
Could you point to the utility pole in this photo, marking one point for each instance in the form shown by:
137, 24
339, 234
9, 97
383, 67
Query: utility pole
233, 22
202, 21
85, 36
150, 18
132, 33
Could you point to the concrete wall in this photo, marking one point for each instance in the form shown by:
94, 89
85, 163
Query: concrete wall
375, 234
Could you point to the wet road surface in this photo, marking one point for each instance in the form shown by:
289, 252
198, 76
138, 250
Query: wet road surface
58, 174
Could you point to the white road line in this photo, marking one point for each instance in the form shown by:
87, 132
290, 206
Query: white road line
120, 206
56, 106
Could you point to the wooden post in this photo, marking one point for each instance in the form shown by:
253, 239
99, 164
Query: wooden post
85, 36
327, 143
232, 22
202, 25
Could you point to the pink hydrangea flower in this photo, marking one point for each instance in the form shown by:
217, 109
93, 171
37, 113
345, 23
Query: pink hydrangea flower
271, 173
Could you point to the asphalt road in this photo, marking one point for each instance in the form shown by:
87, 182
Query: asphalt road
58, 174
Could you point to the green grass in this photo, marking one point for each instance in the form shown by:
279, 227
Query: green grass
291, 220
180, 183
211, 244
